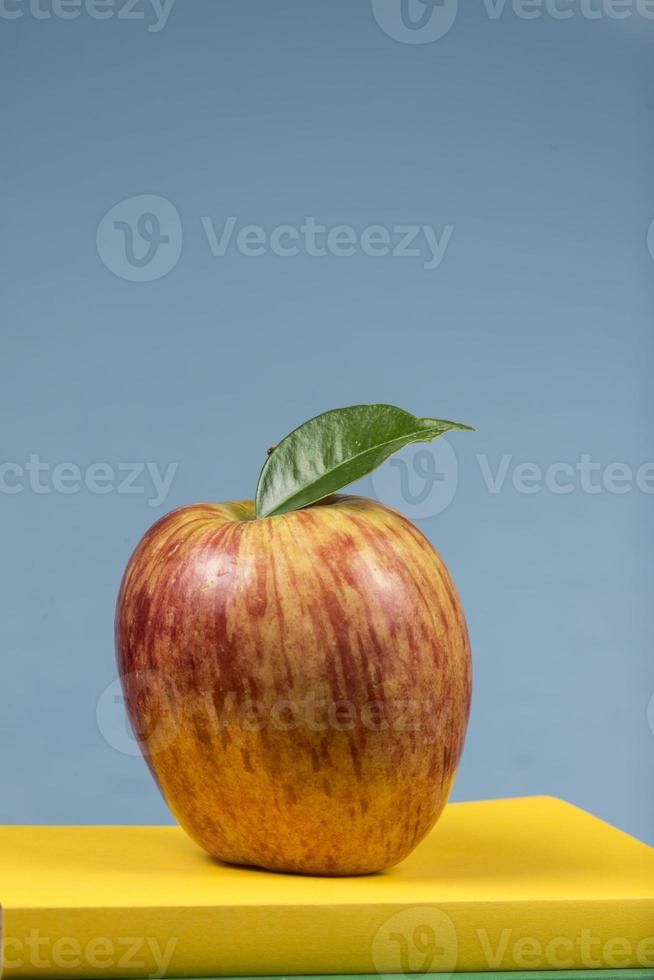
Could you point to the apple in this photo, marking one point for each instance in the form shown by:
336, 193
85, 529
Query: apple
299, 683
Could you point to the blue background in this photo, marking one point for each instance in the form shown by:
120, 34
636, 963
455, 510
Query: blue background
533, 139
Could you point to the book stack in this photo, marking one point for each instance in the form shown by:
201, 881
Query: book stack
520, 887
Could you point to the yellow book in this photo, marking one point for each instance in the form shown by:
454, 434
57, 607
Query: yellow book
521, 884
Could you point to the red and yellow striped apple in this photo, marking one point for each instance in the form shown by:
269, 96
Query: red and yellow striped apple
300, 684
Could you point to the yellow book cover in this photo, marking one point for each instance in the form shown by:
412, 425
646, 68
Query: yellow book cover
520, 884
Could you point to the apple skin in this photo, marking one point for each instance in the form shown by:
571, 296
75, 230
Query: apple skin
299, 685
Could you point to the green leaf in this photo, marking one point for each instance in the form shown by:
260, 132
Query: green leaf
336, 448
